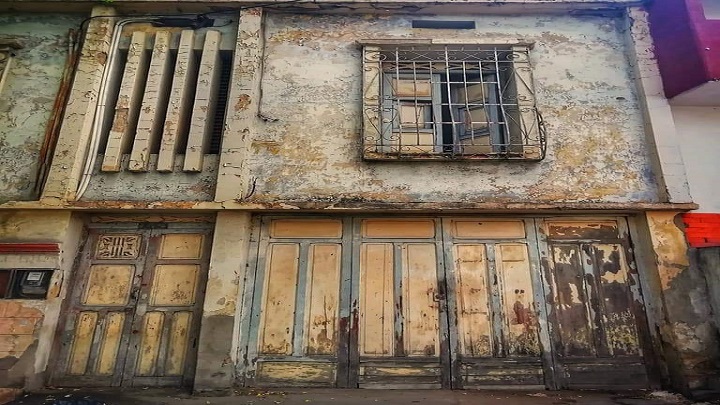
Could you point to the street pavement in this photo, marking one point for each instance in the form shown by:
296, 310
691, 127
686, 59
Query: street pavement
349, 397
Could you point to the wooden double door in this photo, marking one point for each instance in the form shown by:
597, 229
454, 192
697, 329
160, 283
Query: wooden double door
440, 303
134, 314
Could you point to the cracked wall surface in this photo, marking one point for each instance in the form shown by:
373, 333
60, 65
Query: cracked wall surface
308, 147
27, 98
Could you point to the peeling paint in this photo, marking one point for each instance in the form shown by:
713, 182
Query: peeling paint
28, 96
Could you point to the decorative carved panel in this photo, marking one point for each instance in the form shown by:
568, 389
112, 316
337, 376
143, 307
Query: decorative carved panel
118, 247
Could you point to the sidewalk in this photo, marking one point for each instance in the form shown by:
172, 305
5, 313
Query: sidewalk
346, 397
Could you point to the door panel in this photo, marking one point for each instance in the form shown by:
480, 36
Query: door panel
597, 341
400, 324
170, 292
497, 322
420, 302
295, 332
432, 303
377, 320
474, 316
278, 322
323, 296
520, 316
134, 314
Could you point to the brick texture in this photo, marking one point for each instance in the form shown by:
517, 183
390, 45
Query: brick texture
702, 230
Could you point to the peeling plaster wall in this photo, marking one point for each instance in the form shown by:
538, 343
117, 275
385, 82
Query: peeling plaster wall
27, 98
312, 86
27, 327
154, 185
688, 326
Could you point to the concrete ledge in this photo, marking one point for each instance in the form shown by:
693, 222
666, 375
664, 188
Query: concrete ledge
353, 205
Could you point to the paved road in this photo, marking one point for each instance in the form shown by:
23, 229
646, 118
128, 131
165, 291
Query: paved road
347, 397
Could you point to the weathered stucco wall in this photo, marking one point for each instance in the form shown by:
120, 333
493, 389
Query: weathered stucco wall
27, 327
687, 331
312, 85
154, 185
27, 98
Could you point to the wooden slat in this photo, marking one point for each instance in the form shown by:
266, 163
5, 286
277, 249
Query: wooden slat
304, 228
322, 298
420, 308
148, 352
203, 112
153, 104
295, 372
387, 228
178, 342
112, 335
179, 102
82, 342
474, 329
576, 337
582, 229
618, 320
488, 229
521, 324
376, 300
277, 327
128, 104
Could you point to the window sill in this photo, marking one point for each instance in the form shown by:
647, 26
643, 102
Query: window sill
533, 156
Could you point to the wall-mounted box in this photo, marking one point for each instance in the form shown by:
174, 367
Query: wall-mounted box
25, 283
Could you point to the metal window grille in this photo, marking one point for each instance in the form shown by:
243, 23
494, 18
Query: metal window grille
450, 102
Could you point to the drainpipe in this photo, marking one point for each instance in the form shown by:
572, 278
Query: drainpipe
52, 130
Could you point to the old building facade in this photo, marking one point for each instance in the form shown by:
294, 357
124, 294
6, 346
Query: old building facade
343, 193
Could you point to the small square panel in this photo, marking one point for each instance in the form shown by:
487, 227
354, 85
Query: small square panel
181, 246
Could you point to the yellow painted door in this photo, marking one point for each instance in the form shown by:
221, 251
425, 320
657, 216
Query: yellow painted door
133, 318
402, 331
295, 325
494, 296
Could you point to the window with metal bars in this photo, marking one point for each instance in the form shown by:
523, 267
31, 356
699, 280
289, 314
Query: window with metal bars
427, 101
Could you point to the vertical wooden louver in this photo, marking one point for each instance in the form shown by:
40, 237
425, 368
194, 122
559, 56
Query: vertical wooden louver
166, 102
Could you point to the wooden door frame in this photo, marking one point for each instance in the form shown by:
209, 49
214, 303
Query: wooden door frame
81, 265
648, 352
252, 297
539, 261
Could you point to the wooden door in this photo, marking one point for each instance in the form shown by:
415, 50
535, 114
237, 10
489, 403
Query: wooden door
495, 299
134, 314
597, 309
296, 334
399, 303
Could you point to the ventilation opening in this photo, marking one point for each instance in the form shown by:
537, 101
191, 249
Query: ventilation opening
222, 97
444, 24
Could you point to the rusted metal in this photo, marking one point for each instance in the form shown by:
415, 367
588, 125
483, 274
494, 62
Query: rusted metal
52, 130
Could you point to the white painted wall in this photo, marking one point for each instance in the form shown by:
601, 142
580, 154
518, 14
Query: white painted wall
699, 134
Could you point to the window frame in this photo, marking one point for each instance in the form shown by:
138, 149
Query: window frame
522, 139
